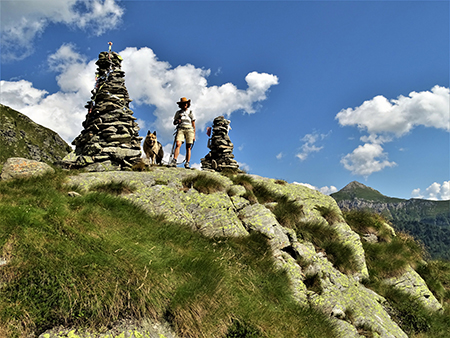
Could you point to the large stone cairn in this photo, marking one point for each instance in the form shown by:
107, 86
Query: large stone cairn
221, 155
110, 139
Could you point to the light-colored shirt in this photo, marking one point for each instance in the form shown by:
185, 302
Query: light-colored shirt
186, 117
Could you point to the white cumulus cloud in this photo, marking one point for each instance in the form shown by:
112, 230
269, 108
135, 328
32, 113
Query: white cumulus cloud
149, 82
399, 116
366, 159
24, 21
384, 120
158, 84
435, 191
63, 111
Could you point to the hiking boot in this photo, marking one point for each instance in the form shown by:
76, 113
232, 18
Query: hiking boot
173, 163
187, 165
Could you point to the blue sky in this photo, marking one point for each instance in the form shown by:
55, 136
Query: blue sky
318, 92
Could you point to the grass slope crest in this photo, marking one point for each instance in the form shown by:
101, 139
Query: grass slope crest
298, 266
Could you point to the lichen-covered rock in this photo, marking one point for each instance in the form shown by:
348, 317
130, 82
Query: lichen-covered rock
412, 284
314, 280
213, 214
258, 218
344, 297
125, 329
312, 199
17, 167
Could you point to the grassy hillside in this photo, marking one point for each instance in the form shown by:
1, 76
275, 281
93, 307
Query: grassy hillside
95, 259
92, 260
387, 258
428, 221
21, 137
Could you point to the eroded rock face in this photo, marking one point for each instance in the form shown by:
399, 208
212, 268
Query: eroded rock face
315, 281
411, 283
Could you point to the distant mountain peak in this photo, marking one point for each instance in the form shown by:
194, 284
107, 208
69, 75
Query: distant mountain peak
356, 190
355, 185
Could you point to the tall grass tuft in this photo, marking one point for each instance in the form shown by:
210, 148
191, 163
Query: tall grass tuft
330, 214
366, 222
203, 183
437, 276
114, 188
326, 238
91, 260
288, 212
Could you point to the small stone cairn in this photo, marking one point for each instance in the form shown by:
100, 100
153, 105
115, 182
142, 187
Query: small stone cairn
221, 155
110, 139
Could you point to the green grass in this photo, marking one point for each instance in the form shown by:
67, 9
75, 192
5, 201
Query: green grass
203, 183
392, 254
325, 238
91, 260
437, 275
389, 257
288, 212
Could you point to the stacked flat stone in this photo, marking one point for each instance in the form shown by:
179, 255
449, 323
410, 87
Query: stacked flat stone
221, 155
110, 139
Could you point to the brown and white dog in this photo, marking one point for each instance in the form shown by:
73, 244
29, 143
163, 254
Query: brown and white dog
153, 149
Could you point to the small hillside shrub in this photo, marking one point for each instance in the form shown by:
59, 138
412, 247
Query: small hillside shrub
437, 276
330, 214
114, 188
288, 212
364, 222
243, 330
255, 192
203, 183
246, 181
327, 239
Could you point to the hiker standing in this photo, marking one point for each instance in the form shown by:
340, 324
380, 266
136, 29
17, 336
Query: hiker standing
185, 121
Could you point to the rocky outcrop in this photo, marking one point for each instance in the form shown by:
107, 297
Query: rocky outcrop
315, 280
221, 155
110, 139
21, 137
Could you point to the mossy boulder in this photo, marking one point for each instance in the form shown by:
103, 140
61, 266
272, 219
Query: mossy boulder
17, 167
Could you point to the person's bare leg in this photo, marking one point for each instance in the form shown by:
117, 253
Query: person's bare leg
188, 152
177, 150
